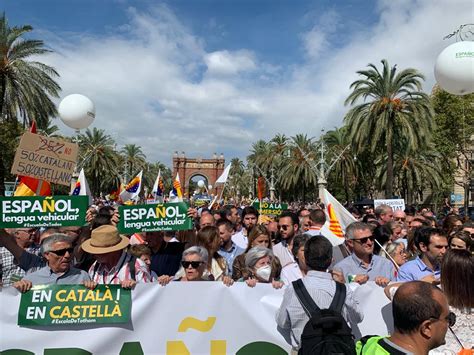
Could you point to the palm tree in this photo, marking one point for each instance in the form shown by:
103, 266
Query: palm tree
98, 158
25, 85
49, 129
393, 107
298, 174
134, 159
344, 167
150, 174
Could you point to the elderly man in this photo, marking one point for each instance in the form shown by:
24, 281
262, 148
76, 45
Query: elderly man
362, 265
399, 216
57, 250
23, 241
113, 264
384, 214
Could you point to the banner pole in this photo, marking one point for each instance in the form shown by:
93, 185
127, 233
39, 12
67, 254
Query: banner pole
38, 188
386, 253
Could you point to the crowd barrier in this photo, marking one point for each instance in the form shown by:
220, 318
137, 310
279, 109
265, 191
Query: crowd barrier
180, 318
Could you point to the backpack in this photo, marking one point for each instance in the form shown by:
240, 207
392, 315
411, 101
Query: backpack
326, 332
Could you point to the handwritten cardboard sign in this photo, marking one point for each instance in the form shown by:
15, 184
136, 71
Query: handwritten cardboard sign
45, 158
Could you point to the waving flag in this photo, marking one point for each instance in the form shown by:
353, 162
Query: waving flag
225, 174
81, 188
158, 187
132, 189
29, 186
176, 194
338, 219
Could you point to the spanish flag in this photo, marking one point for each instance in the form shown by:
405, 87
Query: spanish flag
29, 186
133, 188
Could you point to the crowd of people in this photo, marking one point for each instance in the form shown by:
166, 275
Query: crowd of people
424, 263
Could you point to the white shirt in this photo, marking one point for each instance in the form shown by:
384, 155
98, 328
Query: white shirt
240, 239
290, 273
283, 253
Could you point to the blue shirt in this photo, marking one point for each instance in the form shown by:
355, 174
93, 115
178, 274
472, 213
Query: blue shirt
416, 269
230, 255
378, 266
45, 276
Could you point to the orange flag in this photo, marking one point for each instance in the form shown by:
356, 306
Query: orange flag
261, 187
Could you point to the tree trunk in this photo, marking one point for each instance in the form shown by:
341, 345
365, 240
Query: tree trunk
389, 182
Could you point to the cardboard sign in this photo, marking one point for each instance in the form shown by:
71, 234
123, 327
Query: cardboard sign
396, 204
38, 211
74, 305
157, 217
270, 209
45, 158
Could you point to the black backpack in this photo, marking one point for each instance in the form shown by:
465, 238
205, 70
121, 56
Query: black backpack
326, 331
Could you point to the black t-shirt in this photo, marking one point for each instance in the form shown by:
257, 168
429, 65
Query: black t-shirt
166, 260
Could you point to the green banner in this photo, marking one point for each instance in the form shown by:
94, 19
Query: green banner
74, 304
37, 211
155, 217
270, 209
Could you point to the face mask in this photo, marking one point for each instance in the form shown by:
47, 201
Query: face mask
264, 272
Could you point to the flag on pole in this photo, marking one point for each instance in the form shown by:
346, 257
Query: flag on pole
225, 174
132, 189
338, 218
261, 187
176, 194
158, 187
28, 186
81, 188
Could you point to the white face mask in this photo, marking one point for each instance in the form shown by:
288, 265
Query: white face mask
264, 272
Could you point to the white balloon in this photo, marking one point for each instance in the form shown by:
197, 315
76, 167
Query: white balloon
454, 68
77, 111
209, 187
201, 183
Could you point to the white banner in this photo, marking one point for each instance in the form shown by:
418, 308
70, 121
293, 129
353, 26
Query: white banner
181, 318
396, 204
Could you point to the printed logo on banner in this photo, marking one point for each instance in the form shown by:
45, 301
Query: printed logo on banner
155, 217
38, 211
75, 304
270, 209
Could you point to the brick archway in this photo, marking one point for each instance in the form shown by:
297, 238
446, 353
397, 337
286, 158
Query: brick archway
188, 167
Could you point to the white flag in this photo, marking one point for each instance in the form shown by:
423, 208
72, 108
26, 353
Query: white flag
133, 188
338, 218
157, 190
225, 174
82, 187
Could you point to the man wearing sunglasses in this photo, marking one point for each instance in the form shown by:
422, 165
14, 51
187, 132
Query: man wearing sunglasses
362, 265
57, 250
421, 318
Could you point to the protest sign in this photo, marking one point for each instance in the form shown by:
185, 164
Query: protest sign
396, 204
38, 211
45, 158
74, 305
270, 209
156, 217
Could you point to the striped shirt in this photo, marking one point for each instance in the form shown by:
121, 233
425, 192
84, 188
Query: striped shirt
10, 268
120, 272
291, 317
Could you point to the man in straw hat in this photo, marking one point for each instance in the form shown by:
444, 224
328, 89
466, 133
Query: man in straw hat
113, 264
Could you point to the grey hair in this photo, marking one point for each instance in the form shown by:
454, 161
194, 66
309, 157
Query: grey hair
47, 243
202, 252
382, 209
298, 242
390, 248
256, 253
357, 226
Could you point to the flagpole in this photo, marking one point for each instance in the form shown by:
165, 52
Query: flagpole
386, 253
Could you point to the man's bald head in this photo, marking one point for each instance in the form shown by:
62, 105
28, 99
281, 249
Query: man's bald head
207, 220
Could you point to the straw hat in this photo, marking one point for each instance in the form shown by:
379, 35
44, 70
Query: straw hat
104, 239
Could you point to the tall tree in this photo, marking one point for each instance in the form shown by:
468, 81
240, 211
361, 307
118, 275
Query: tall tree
98, 158
134, 159
26, 85
394, 106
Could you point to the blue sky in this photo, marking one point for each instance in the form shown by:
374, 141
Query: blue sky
217, 75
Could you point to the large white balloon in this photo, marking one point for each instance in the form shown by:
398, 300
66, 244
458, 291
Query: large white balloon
454, 68
201, 183
77, 111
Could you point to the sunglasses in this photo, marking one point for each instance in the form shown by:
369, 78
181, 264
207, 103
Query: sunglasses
284, 227
193, 264
62, 252
400, 218
364, 240
451, 318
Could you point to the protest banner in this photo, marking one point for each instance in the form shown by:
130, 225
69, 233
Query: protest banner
74, 304
155, 217
45, 158
39, 211
396, 204
272, 209
165, 320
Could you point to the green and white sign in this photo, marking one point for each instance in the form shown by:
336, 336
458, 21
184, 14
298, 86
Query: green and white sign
270, 209
37, 211
74, 305
155, 217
